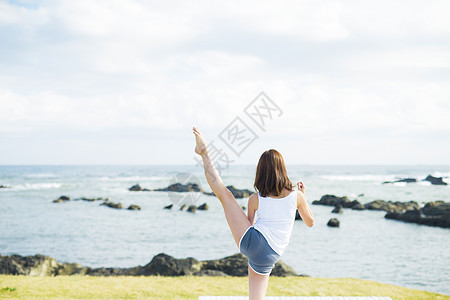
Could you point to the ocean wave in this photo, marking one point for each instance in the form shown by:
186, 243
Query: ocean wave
134, 178
40, 175
441, 174
36, 186
366, 177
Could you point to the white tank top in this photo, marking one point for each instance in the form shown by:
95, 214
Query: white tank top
275, 220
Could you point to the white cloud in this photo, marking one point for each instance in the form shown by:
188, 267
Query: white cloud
339, 69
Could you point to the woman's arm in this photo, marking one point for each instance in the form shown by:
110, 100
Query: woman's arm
212, 176
303, 207
252, 207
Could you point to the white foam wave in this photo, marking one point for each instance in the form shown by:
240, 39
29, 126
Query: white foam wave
424, 183
37, 186
441, 174
134, 178
40, 175
366, 177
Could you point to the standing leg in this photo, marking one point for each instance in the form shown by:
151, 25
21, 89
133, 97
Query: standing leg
257, 285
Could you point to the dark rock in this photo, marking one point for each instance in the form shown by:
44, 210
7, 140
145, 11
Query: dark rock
391, 207
204, 206
183, 207
181, 188
3, 187
333, 222
166, 265
358, 206
113, 205
192, 208
337, 209
407, 180
237, 193
244, 208
162, 264
435, 180
435, 213
333, 200
134, 207
283, 270
94, 199
62, 199
135, 188
168, 206
37, 265
297, 215
361, 195
436, 208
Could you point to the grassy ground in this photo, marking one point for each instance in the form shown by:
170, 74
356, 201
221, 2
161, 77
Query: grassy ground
190, 287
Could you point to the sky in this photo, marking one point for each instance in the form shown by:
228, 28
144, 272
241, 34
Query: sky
123, 82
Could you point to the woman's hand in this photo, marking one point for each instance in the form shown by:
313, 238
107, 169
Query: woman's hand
301, 187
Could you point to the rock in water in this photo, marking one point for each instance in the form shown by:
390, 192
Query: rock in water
390, 206
135, 188
297, 215
62, 199
93, 199
333, 222
337, 209
168, 206
183, 207
134, 207
3, 187
113, 205
181, 188
436, 213
435, 180
192, 208
407, 180
239, 193
204, 206
332, 200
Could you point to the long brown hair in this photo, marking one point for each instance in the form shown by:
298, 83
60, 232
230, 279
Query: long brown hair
271, 177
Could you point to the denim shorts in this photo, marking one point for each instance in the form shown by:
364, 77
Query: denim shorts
261, 257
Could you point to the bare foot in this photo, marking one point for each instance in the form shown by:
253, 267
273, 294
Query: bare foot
200, 147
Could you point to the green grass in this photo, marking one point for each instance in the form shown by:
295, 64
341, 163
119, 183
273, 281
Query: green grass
190, 287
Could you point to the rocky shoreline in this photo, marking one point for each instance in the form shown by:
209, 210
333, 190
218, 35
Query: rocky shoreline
161, 264
191, 187
434, 213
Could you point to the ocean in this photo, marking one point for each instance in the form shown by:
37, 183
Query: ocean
366, 245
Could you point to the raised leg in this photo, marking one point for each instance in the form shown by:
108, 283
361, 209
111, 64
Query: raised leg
236, 218
257, 285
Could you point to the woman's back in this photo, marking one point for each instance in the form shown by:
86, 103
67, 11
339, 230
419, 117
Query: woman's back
275, 219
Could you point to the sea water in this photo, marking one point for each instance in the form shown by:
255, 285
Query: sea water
366, 245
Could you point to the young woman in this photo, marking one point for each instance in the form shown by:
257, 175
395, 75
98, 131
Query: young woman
262, 240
